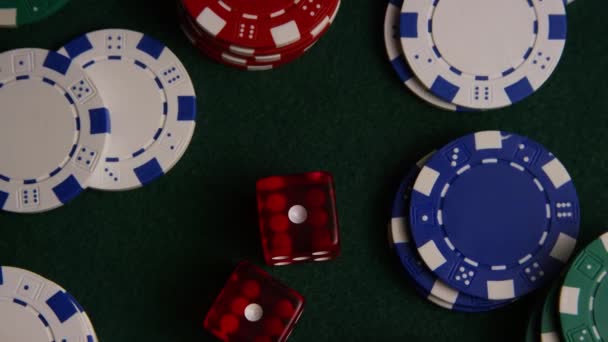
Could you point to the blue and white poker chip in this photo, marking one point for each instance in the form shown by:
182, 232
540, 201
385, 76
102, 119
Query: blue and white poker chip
483, 54
397, 59
36, 309
152, 100
494, 215
54, 126
425, 281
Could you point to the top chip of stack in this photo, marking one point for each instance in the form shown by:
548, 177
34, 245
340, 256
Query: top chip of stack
255, 35
485, 220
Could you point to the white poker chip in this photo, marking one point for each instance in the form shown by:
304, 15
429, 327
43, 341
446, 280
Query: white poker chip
395, 55
54, 127
152, 101
36, 309
483, 54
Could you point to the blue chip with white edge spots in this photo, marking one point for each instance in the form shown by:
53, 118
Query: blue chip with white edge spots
425, 282
152, 100
494, 215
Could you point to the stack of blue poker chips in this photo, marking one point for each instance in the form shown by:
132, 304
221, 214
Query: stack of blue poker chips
485, 220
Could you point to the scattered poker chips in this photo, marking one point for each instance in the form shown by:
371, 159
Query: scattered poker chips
153, 125
255, 36
36, 309
484, 220
476, 54
19, 12
113, 110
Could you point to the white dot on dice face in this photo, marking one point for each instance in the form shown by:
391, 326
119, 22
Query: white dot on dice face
254, 312
297, 214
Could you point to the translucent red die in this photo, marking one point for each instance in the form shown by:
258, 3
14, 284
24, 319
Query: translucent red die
298, 218
253, 306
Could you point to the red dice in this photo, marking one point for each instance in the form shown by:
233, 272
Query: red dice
253, 306
298, 218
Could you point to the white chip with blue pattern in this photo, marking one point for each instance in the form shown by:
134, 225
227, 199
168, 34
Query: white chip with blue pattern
152, 101
54, 126
36, 309
483, 54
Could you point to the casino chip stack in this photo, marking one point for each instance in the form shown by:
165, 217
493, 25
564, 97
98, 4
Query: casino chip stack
576, 307
474, 54
256, 35
111, 110
36, 309
488, 218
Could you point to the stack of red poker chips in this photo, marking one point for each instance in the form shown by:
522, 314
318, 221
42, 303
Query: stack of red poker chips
256, 34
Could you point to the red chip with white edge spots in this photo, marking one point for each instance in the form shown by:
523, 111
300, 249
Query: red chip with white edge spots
251, 25
261, 24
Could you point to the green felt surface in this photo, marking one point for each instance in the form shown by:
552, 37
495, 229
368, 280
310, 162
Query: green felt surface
147, 264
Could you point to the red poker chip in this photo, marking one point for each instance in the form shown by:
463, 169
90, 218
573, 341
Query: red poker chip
243, 63
259, 24
246, 58
315, 35
259, 56
252, 64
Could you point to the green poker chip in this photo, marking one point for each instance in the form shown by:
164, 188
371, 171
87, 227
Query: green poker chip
583, 306
533, 325
19, 12
549, 323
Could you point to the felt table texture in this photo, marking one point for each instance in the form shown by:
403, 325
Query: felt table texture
147, 264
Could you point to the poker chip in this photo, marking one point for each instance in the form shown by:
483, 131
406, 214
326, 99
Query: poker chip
483, 54
251, 36
19, 12
423, 293
549, 324
36, 309
195, 34
426, 282
399, 63
54, 127
154, 124
219, 54
494, 215
583, 300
